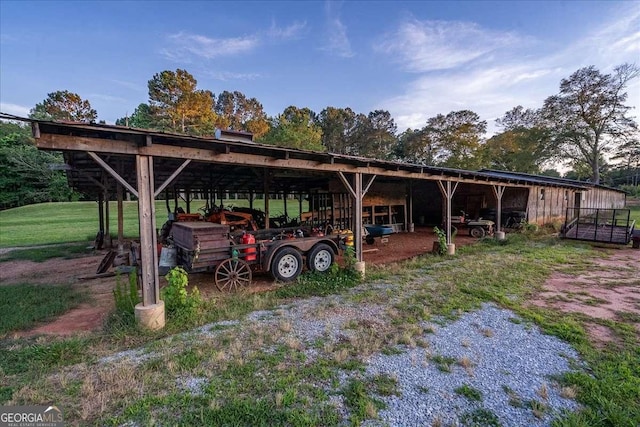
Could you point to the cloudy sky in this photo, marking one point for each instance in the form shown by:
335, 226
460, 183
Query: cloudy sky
415, 59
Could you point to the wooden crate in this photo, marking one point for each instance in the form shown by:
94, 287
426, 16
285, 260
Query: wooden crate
203, 235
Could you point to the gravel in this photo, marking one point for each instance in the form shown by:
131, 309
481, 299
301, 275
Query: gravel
512, 365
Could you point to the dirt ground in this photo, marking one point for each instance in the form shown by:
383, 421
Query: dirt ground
612, 287
609, 290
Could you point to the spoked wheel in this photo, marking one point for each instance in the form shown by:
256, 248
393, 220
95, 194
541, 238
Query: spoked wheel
232, 274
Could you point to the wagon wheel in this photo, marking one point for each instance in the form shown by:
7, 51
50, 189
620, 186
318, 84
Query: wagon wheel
232, 274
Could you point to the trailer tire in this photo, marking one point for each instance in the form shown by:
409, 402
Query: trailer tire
286, 264
477, 232
320, 258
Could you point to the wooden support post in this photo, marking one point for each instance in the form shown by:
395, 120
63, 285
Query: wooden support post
101, 214
284, 200
447, 191
498, 192
266, 199
410, 217
107, 232
148, 239
300, 206
120, 218
357, 232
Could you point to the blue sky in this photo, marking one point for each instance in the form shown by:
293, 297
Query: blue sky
415, 59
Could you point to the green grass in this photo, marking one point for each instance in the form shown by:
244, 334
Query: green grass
24, 305
469, 392
47, 223
41, 254
261, 375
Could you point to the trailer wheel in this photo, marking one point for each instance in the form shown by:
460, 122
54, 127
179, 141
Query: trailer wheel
320, 258
370, 240
286, 264
232, 274
477, 232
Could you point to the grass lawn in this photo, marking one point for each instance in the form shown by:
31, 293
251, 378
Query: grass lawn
48, 223
24, 305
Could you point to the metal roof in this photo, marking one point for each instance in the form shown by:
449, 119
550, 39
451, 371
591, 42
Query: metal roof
546, 180
292, 169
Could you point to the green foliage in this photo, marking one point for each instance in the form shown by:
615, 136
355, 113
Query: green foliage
178, 301
64, 105
469, 392
25, 173
442, 240
360, 404
318, 284
24, 305
295, 128
126, 298
480, 418
631, 190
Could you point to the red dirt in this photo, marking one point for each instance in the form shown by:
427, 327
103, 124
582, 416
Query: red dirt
608, 290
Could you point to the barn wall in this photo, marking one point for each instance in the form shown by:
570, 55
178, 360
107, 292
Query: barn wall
552, 206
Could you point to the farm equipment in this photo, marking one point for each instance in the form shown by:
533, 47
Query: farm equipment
375, 230
233, 257
478, 228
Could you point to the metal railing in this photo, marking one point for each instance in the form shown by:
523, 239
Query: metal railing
598, 225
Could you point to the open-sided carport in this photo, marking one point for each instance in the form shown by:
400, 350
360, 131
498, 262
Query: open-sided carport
103, 159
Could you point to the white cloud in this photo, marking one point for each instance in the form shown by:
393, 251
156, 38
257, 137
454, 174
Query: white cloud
292, 31
437, 45
337, 42
453, 72
15, 109
107, 98
184, 46
130, 85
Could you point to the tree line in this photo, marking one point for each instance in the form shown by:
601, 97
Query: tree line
587, 124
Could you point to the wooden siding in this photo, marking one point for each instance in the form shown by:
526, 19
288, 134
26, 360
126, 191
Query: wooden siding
552, 206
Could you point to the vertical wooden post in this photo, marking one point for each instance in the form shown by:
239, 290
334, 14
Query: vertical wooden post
120, 218
148, 238
498, 192
266, 200
100, 218
410, 204
447, 193
357, 232
107, 237
300, 206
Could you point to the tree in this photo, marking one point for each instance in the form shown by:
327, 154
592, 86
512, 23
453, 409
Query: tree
142, 118
589, 115
338, 127
374, 135
523, 145
236, 111
456, 139
64, 105
295, 128
25, 173
177, 105
415, 146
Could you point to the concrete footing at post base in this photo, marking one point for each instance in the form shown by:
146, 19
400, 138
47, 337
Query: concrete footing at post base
150, 316
500, 235
360, 268
451, 249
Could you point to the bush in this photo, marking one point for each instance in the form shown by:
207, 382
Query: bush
442, 241
178, 301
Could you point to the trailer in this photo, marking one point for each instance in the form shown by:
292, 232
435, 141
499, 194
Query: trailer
234, 256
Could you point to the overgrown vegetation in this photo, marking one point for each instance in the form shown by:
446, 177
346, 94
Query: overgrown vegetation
179, 302
24, 305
